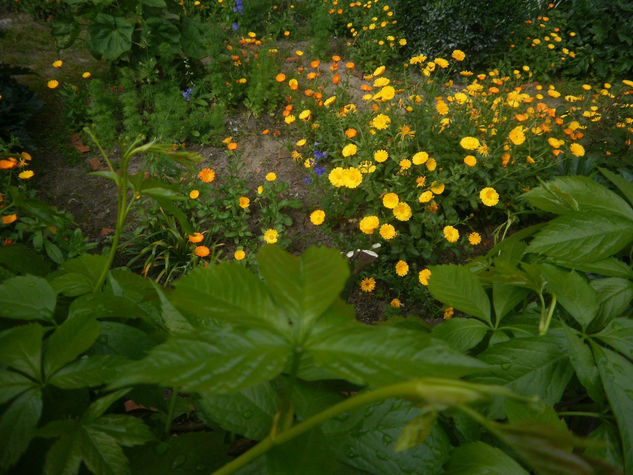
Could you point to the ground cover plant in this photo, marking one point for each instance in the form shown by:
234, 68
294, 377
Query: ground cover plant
476, 203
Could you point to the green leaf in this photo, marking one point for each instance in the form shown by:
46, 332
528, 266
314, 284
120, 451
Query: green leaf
17, 426
109, 36
70, 339
365, 439
505, 297
155, 3
624, 185
101, 453
248, 412
573, 292
27, 298
172, 209
89, 265
64, 456
586, 195
228, 292
619, 336
609, 449
24, 260
519, 412
71, 284
460, 288
21, 349
122, 340
107, 174
582, 360
173, 320
12, 384
53, 252
529, 366
101, 405
581, 237
303, 286
461, 334
416, 431
211, 362
104, 305
616, 373
611, 267
615, 296
88, 371
128, 431
193, 37
479, 458
351, 353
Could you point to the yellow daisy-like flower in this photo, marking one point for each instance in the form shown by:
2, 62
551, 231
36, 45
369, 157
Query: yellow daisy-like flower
437, 189
369, 224
336, 177
290, 119
402, 268
474, 239
469, 143
402, 212
381, 156
239, 255
458, 55
627, 82
378, 71
52, 84
349, 150
451, 234
390, 200
352, 177
396, 303
381, 122
194, 194
317, 217
425, 197
431, 164
244, 202
86, 75
271, 176
405, 164
424, 275
470, 160
420, 158
381, 82
517, 135
207, 175
270, 236
58, 64
489, 196
387, 232
577, 149
305, 115
26, 174
329, 101
368, 284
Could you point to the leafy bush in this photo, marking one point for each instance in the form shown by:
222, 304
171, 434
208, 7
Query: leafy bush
17, 104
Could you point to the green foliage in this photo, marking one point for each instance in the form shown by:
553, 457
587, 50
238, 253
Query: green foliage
17, 106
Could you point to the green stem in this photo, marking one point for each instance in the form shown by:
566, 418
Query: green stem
582, 414
103, 154
544, 323
170, 411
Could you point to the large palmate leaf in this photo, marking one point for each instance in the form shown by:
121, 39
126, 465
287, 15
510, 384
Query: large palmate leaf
17, 426
228, 292
578, 193
27, 298
479, 458
461, 333
583, 236
303, 286
460, 288
619, 336
384, 355
70, 339
12, 384
615, 296
21, 349
582, 360
24, 260
214, 362
88, 371
505, 297
109, 36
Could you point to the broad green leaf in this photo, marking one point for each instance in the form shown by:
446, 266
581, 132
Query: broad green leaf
511, 249
27, 298
64, 456
416, 431
582, 360
24, 260
21, 349
624, 185
173, 320
71, 284
586, 194
479, 458
88, 371
193, 37
248, 412
351, 352
529, 366
128, 431
310, 398
17, 426
610, 448
213, 362
619, 336
573, 292
109, 36
205, 452
155, 3
101, 405
461, 333
89, 265
104, 305
584, 236
163, 193
505, 297
70, 339
303, 286
107, 174
519, 412
615, 296
616, 373
610, 267
101, 453
228, 292
365, 439
460, 288
121, 340
12, 384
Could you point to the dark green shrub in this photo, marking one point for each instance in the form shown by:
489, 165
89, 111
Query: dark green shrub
17, 104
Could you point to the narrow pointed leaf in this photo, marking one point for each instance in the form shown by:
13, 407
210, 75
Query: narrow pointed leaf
88, 371
479, 458
173, 320
505, 297
624, 185
12, 384
416, 431
128, 431
27, 298
21, 349
17, 426
615, 296
460, 288
619, 336
70, 339
586, 370
101, 453
101, 405
64, 456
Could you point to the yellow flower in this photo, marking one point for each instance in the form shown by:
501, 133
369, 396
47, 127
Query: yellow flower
196, 237
402, 42
369, 224
402, 211
293, 84
9, 218
431, 164
420, 158
270, 236
627, 82
244, 202
441, 107
352, 177
437, 189
402, 268
193, 194
336, 177
368, 284
396, 303
381, 69
26, 174
381, 122
305, 115
489, 196
425, 197
317, 217
474, 239
52, 84
239, 255
470, 160
301, 143
271, 176
424, 275
58, 64
387, 232
469, 143
554, 142
390, 200
405, 164
290, 119
458, 55
451, 234
448, 313
260, 189
381, 82
329, 101
349, 150
381, 156
207, 175
575, 148
517, 135
461, 98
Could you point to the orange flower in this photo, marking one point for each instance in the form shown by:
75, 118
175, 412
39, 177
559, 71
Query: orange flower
315, 63
350, 66
202, 251
10, 218
350, 133
8, 163
207, 175
336, 78
294, 85
232, 146
281, 77
196, 238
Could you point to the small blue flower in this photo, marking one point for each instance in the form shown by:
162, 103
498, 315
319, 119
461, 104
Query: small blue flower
187, 94
308, 181
235, 26
319, 170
